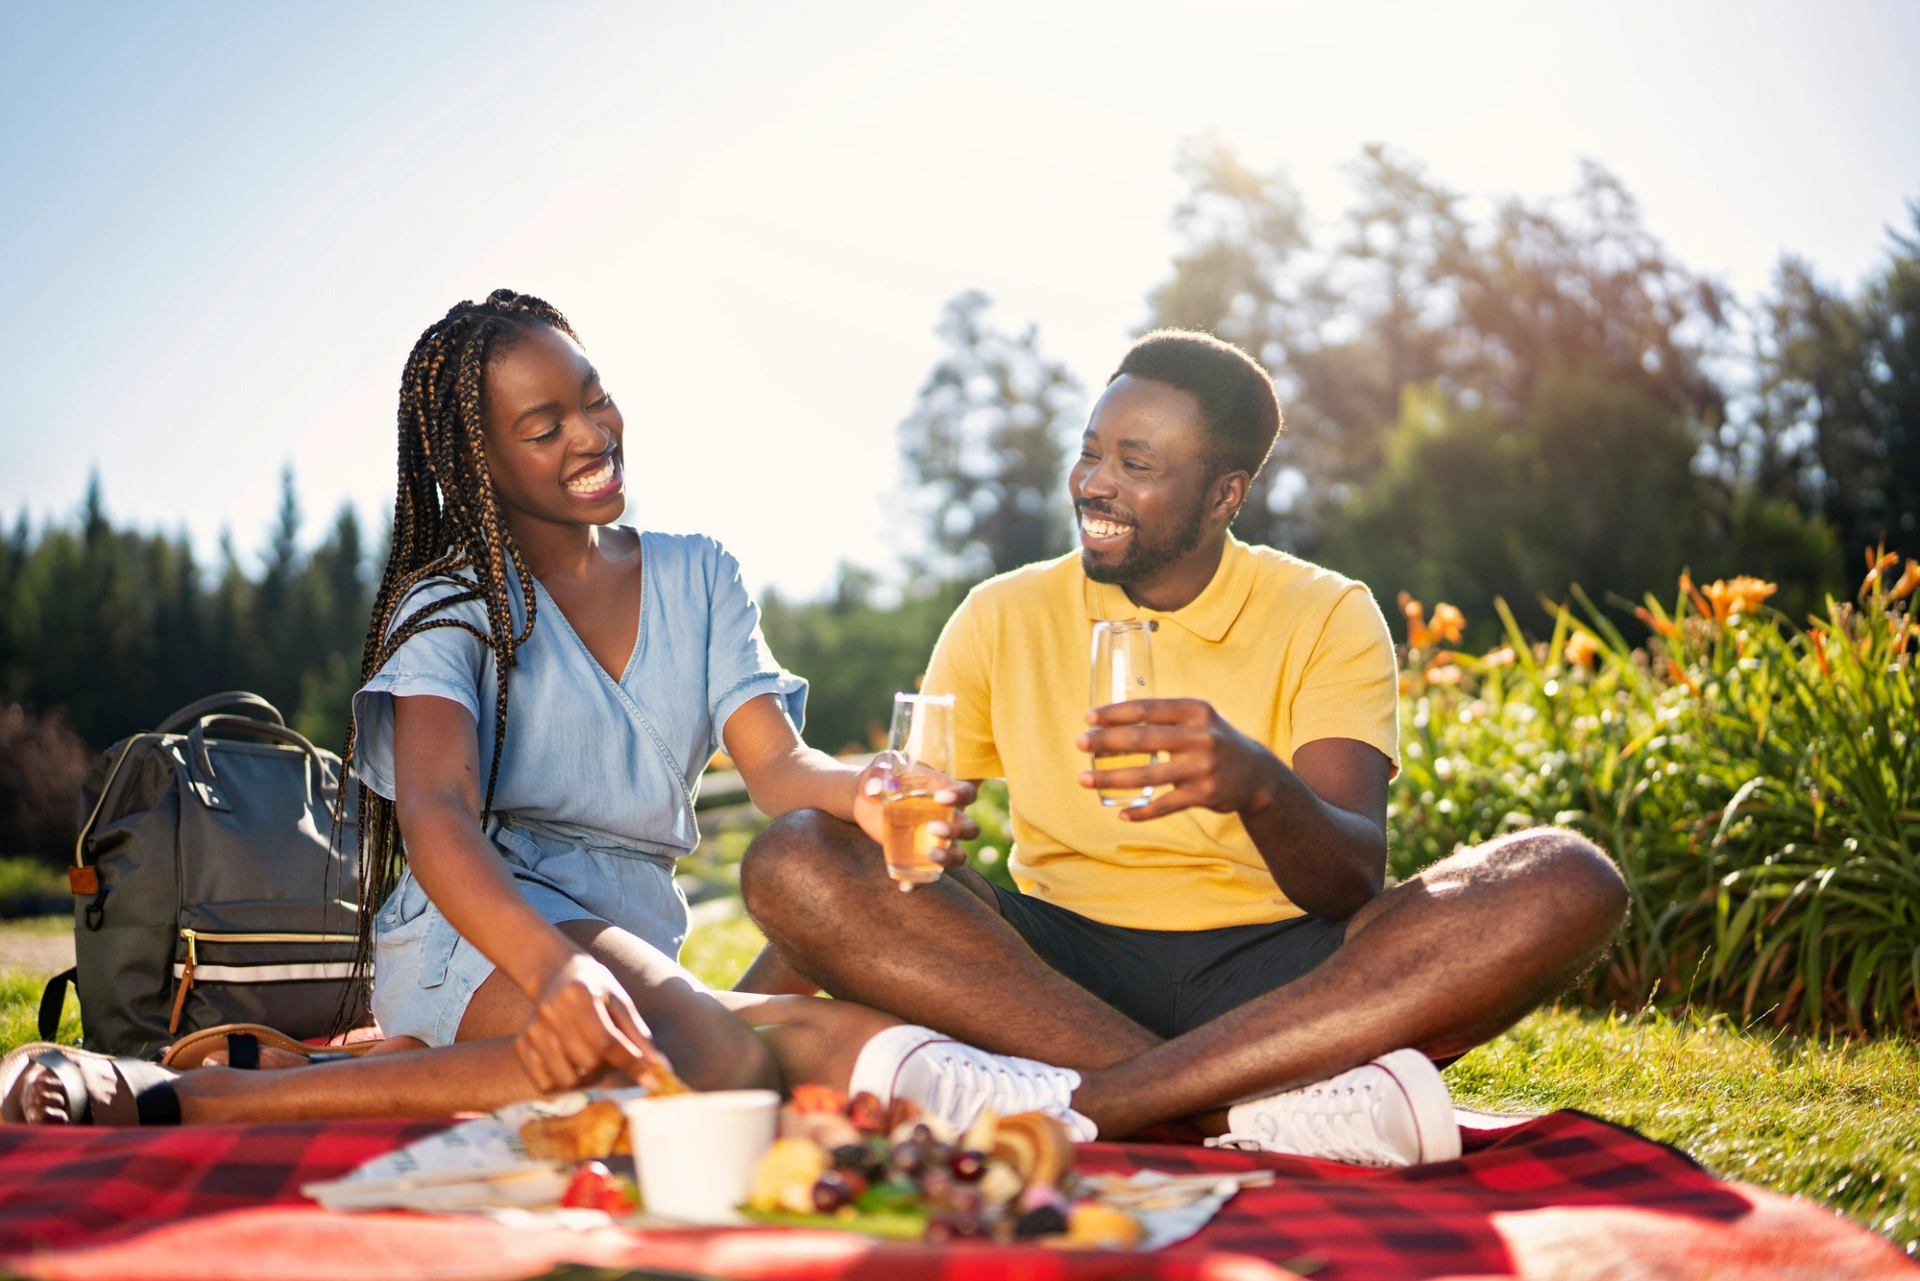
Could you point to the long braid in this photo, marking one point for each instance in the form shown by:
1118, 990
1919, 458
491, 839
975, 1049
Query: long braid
446, 524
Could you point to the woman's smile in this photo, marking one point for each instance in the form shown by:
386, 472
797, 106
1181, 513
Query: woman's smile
598, 481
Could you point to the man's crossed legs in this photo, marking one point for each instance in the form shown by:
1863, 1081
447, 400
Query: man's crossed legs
1437, 963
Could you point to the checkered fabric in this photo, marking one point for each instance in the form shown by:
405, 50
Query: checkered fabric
222, 1201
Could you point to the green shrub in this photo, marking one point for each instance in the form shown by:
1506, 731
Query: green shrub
1758, 782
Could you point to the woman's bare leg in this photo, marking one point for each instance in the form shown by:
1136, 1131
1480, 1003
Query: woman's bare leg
716, 1040
708, 1046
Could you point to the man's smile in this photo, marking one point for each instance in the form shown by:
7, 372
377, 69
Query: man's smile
1101, 531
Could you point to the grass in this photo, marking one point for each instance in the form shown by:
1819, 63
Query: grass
1828, 1118
20, 1010
28, 885
1824, 1117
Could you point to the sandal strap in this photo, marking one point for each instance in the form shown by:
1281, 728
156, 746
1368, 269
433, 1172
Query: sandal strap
72, 1084
148, 1084
243, 1051
156, 1103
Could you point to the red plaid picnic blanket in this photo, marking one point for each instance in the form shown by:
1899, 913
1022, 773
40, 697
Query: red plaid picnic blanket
1563, 1195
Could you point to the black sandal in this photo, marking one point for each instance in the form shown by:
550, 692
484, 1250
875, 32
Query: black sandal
98, 1088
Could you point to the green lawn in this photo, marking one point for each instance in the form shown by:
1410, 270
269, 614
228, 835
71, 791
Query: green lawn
1836, 1120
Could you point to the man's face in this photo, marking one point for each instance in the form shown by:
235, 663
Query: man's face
1140, 485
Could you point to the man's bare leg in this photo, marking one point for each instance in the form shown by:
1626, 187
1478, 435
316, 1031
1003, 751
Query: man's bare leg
1440, 962
940, 956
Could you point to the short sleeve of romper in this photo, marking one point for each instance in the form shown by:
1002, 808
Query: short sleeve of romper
444, 659
740, 667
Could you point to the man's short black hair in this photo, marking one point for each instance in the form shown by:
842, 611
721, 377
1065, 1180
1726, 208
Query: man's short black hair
1236, 396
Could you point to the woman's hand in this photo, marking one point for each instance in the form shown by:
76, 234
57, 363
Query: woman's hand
583, 1023
873, 783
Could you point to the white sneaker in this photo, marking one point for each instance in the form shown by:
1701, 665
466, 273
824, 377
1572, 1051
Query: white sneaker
956, 1082
1394, 1110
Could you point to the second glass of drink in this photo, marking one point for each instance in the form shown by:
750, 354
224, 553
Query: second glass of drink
921, 741
1122, 670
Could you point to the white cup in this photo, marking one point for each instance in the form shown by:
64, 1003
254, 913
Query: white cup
695, 1153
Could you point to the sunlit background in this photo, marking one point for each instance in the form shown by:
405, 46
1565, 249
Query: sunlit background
222, 226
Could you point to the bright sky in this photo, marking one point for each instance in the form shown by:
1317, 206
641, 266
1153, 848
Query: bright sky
222, 227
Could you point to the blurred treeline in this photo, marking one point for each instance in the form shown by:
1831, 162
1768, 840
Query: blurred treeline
105, 630
1484, 399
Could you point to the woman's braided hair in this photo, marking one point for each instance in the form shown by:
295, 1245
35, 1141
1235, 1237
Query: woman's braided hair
446, 524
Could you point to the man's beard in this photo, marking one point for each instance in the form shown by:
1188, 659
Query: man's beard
1144, 559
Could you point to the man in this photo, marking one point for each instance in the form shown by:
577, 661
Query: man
1224, 953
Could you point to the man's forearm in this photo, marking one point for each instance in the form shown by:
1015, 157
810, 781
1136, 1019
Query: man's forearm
1328, 860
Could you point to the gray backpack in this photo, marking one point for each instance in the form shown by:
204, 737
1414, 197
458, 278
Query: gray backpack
208, 886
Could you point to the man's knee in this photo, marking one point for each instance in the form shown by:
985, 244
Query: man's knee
1579, 883
798, 862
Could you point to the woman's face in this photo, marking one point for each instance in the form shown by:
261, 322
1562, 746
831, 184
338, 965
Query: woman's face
552, 434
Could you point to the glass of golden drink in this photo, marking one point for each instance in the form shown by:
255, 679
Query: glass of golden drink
1122, 669
920, 747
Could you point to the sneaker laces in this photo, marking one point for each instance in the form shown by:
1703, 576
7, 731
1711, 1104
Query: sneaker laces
1331, 1121
966, 1081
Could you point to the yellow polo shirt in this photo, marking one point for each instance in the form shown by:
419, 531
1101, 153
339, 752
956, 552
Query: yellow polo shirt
1286, 651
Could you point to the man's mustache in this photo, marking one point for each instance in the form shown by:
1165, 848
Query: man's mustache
1089, 508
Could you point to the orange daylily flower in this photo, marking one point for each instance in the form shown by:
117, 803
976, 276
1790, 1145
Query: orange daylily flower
1908, 581
1661, 625
1449, 624
1740, 595
1878, 560
1418, 637
1819, 636
1680, 677
1582, 649
1693, 594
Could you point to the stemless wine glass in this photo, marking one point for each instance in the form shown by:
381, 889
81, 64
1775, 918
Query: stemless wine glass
921, 742
1122, 670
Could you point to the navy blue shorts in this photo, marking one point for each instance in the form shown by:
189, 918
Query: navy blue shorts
1170, 981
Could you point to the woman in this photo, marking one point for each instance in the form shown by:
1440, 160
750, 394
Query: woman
532, 919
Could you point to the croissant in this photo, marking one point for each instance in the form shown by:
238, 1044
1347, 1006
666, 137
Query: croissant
596, 1131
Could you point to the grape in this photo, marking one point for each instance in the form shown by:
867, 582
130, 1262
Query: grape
853, 1156
909, 1157
967, 1165
837, 1188
1042, 1221
830, 1193
936, 1185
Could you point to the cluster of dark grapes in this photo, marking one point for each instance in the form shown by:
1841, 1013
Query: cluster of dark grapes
919, 1172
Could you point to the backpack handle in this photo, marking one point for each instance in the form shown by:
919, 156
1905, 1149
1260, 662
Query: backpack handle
200, 707
201, 764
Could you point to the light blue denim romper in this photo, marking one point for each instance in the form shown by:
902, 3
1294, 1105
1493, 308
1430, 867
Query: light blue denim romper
594, 802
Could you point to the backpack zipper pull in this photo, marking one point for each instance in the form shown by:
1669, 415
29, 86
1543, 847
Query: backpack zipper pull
186, 982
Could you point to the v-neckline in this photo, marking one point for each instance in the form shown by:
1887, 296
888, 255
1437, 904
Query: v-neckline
639, 625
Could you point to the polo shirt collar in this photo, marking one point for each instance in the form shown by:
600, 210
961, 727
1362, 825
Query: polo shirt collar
1208, 615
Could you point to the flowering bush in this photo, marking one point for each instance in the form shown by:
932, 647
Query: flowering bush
1757, 781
